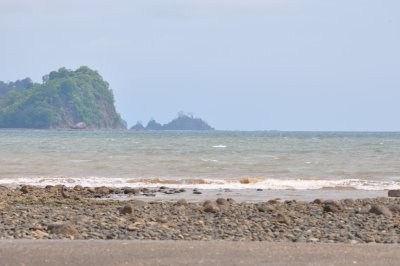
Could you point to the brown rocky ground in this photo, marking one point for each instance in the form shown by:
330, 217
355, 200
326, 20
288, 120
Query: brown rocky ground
80, 213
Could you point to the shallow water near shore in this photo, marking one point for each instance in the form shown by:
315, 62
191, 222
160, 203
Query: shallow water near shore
246, 161
254, 196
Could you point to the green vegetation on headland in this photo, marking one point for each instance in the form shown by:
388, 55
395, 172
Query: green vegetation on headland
17, 85
182, 122
65, 99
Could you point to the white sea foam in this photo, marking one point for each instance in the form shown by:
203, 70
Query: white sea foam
80, 161
243, 183
219, 146
209, 160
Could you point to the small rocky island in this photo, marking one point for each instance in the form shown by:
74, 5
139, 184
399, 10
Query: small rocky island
182, 122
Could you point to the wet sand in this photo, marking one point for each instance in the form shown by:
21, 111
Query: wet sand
114, 252
252, 195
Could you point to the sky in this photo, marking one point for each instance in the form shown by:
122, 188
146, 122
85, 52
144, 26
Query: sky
238, 64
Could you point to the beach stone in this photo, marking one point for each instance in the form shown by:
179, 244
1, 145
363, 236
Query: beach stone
196, 191
222, 201
265, 208
59, 187
103, 190
207, 202
162, 219
182, 202
209, 206
127, 209
273, 201
231, 201
118, 190
40, 234
132, 228
131, 191
52, 189
318, 201
56, 189
394, 193
350, 236
65, 194
381, 210
348, 201
281, 218
25, 189
332, 206
78, 188
91, 190
312, 240
362, 210
369, 238
64, 229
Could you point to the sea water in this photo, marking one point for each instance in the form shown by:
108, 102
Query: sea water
208, 160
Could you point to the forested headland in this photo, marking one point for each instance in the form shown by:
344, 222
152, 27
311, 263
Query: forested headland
64, 99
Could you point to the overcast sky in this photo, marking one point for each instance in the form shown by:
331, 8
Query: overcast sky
239, 64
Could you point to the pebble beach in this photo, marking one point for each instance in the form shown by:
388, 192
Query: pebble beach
59, 212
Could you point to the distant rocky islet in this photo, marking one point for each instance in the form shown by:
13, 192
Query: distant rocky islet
182, 122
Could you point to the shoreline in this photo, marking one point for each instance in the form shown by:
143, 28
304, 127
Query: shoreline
164, 192
57, 212
256, 196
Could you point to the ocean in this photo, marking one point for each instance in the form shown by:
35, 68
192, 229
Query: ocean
208, 160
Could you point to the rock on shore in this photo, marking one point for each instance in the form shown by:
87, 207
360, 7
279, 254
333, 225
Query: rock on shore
57, 212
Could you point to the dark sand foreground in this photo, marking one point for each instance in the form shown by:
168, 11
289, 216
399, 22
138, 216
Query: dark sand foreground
118, 252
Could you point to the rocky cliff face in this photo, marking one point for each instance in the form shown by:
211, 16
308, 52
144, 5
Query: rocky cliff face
64, 99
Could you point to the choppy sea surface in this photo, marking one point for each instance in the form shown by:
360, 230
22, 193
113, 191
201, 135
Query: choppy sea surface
209, 160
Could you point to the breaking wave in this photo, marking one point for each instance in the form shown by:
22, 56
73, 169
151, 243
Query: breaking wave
204, 183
